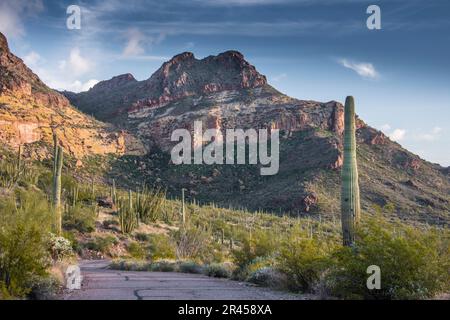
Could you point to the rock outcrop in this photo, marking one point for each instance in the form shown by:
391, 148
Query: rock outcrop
30, 112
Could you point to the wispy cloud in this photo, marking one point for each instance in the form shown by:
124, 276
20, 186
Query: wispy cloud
13, 12
364, 69
32, 58
433, 135
136, 40
397, 135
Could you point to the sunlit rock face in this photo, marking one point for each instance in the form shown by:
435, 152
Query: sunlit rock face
30, 112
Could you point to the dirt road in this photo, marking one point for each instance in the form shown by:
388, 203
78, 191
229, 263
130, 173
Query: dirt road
100, 283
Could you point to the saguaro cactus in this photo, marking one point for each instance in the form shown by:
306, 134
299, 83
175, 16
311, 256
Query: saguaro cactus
57, 189
350, 205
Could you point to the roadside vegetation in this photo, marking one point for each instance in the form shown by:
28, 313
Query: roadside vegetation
144, 230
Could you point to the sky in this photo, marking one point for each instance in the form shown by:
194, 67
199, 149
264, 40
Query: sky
309, 49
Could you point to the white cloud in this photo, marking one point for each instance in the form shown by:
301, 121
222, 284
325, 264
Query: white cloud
385, 127
12, 13
137, 41
397, 134
32, 58
364, 69
78, 86
78, 64
279, 77
433, 135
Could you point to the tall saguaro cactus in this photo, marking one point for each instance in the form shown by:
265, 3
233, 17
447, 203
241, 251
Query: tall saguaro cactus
57, 188
350, 205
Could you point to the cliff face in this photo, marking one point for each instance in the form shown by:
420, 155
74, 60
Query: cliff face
30, 112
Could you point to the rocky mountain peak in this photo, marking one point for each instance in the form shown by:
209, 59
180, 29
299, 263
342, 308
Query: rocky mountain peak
114, 82
3, 43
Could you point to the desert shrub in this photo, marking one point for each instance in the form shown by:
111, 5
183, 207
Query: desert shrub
144, 237
268, 277
260, 244
129, 265
71, 236
102, 244
163, 266
161, 247
303, 260
59, 247
25, 223
43, 288
218, 270
192, 243
414, 264
189, 267
80, 218
136, 251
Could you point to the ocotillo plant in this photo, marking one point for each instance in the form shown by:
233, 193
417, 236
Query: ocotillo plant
350, 205
127, 216
57, 189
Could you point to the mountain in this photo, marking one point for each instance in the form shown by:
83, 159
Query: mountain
30, 112
225, 91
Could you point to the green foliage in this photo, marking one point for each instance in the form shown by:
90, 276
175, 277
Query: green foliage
190, 267
81, 218
25, 224
218, 270
192, 243
161, 247
59, 247
148, 204
136, 251
17, 172
102, 244
260, 244
127, 215
302, 259
414, 264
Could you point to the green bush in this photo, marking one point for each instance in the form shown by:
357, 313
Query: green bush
59, 247
161, 247
218, 270
163, 266
144, 237
303, 260
192, 243
268, 277
102, 244
136, 251
189, 267
80, 218
43, 288
25, 223
414, 264
260, 245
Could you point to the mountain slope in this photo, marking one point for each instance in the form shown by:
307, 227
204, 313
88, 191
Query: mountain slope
225, 91
30, 112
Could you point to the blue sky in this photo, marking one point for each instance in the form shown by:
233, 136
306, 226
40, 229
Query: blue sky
309, 49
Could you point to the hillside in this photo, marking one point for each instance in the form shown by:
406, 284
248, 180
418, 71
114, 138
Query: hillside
30, 112
225, 91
